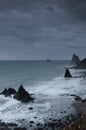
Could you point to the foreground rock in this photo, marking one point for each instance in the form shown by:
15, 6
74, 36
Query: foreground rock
22, 95
49, 124
75, 59
67, 74
81, 65
8, 92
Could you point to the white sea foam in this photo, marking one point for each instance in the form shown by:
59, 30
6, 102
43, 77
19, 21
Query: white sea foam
56, 87
44, 93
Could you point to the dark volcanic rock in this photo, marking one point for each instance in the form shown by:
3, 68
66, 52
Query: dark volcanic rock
11, 124
77, 98
75, 59
22, 95
19, 128
67, 74
30, 108
8, 92
81, 65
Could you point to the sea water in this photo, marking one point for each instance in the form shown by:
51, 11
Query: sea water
45, 80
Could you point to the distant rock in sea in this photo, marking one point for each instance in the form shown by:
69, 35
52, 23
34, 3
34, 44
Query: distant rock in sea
48, 60
67, 74
75, 59
81, 65
22, 95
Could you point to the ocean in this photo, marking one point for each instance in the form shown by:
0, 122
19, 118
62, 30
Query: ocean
46, 82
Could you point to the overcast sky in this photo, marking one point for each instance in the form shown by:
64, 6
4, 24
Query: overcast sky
41, 29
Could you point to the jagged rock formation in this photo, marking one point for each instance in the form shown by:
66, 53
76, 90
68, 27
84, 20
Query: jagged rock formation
67, 74
75, 59
22, 95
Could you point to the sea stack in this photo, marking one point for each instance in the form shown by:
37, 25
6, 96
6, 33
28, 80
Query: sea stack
22, 95
75, 59
67, 74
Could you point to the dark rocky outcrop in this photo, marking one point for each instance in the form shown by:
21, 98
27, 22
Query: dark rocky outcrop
67, 74
22, 95
30, 108
81, 65
8, 92
20, 128
75, 59
77, 98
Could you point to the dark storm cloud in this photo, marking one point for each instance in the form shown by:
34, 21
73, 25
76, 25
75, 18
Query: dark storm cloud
37, 29
76, 8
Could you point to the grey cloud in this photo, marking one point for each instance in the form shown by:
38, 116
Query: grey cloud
38, 29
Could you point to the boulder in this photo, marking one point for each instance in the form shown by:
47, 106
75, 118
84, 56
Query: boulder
22, 95
30, 108
8, 92
67, 74
75, 59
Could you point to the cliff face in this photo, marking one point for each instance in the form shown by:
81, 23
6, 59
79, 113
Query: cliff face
82, 64
75, 59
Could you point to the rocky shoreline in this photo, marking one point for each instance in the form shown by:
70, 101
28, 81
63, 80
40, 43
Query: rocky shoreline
80, 123
50, 124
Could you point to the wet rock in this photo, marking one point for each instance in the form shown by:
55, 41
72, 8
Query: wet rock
30, 108
31, 125
32, 122
39, 128
64, 111
8, 92
67, 74
51, 124
22, 95
45, 125
11, 124
35, 117
38, 124
5, 128
50, 118
77, 98
19, 128
2, 124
